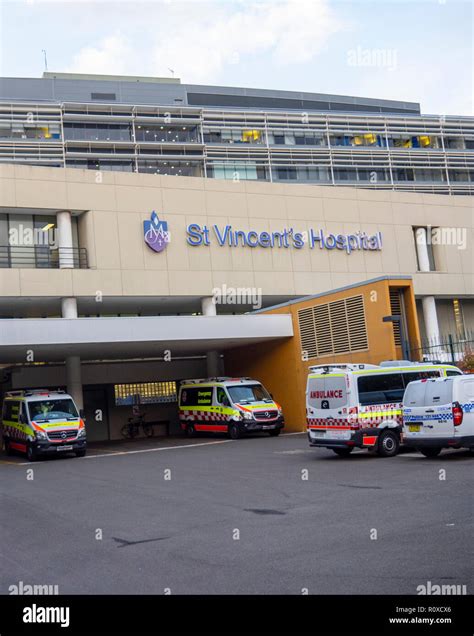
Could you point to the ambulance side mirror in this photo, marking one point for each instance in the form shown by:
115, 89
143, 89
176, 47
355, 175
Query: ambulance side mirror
22, 418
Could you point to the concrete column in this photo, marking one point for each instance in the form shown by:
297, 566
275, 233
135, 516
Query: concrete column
66, 257
73, 380
213, 364
69, 307
208, 308
428, 302
431, 319
73, 363
422, 249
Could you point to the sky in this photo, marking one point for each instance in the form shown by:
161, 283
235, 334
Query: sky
417, 51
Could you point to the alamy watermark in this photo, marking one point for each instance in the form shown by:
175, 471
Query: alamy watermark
28, 236
381, 58
445, 589
238, 296
456, 236
26, 589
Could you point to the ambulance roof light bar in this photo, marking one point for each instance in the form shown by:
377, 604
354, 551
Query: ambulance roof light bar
27, 392
342, 367
403, 363
217, 379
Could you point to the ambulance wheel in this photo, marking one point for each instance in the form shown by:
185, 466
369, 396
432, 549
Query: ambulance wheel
430, 452
234, 431
388, 444
7, 448
81, 453
190, 430
343, 452
275, 432
31, 453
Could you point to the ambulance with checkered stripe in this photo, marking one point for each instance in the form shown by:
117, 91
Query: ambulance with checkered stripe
235, 406
360, 405
42, 422
439, 414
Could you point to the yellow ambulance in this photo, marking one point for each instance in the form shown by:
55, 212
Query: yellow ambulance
235, 406
42, 422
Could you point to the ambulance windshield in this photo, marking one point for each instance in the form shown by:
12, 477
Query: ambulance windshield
44, 410
246, 393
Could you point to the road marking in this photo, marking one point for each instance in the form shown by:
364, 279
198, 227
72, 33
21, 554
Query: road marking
135, 452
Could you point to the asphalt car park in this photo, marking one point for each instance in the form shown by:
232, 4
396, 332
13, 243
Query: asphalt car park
256, 515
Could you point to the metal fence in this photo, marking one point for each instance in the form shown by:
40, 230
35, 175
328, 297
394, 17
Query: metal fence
447, 348
39, 257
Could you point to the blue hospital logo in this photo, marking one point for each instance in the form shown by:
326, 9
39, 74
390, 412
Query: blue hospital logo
156, 233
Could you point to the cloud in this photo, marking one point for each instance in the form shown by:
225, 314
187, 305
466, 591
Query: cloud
289, 31
200, 40
108, 57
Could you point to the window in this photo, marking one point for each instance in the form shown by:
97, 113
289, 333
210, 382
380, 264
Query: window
450, 372
236, 170
285, 174
419, 375
176, 168
11, 410
97, 132
31, 241
221, 396
247, 393
345, 174
380, 389
333, 328
196, 396
45, 410
106, 97
145, 393
458, 318
166, 134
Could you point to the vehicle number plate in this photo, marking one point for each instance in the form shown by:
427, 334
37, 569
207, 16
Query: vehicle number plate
339, 434
64, 448
414, 428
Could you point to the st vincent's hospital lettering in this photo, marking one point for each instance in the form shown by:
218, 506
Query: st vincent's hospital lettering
198, 235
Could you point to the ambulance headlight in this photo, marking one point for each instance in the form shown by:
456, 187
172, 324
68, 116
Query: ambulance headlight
41, 435
246, 415
82, 433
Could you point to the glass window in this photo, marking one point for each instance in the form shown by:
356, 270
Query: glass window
458, 318
145, 393
221, 396
380, 389
247, 393
11, 410
345, 174
166, 134
419, 375
52, 409
237, 171
288, 173
196, 396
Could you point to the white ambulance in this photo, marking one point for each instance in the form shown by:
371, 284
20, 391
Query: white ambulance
439, 414
360, 405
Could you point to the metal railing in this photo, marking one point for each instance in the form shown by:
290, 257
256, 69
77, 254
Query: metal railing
447, 348
42, 257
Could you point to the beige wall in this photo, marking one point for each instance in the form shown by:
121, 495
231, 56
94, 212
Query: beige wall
116, 204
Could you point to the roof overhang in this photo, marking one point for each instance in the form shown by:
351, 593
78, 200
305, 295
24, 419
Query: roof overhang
53, 339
